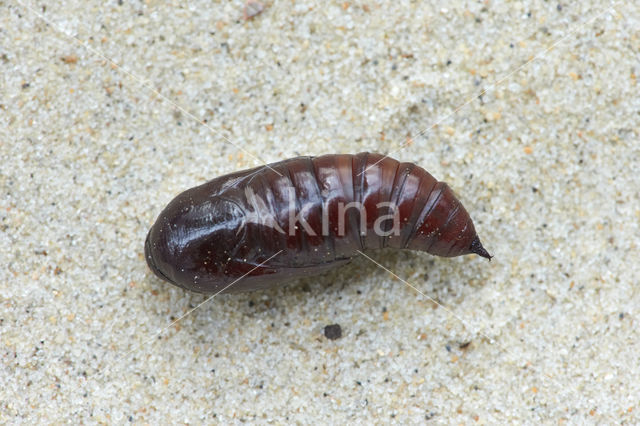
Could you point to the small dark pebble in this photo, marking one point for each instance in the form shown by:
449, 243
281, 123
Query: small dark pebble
464, 345
333, 331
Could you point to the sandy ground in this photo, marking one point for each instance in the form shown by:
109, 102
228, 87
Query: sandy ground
529, 111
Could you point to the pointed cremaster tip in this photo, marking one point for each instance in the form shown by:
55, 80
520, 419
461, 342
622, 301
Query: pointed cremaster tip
476, 247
